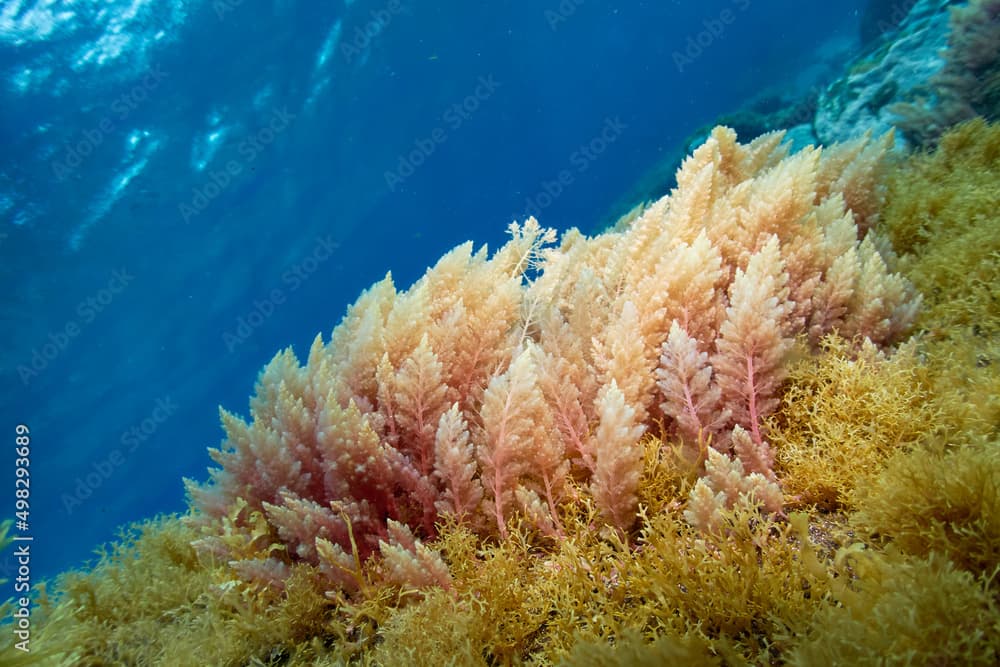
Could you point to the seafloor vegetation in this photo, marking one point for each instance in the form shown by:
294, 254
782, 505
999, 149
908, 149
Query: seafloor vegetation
719, 433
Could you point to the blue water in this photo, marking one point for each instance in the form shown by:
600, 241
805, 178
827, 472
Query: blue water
188, 187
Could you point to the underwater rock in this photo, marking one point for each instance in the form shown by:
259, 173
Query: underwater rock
881, 17
766, 113
893, 70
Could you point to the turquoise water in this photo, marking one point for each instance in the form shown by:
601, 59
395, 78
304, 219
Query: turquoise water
187, 188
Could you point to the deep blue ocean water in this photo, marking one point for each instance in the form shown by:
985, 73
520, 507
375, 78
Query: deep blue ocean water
188, 187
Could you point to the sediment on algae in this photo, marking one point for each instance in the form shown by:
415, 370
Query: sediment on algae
467, 534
